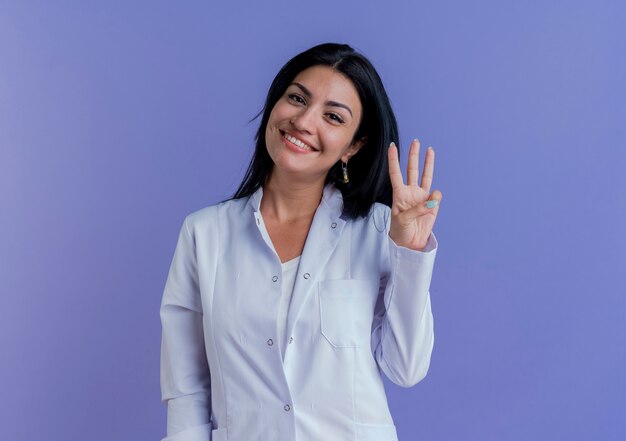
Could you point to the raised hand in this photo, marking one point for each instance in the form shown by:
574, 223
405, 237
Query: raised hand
411, 219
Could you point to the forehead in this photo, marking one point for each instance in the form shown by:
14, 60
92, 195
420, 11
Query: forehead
326, 83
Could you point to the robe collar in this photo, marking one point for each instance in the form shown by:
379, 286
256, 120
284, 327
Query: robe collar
332, 200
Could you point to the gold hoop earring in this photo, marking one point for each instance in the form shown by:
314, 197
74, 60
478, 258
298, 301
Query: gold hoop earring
344, 167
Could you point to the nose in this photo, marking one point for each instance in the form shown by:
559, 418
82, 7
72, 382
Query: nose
304, 120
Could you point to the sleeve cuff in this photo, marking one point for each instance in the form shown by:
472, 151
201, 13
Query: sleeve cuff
197, 433
407, 253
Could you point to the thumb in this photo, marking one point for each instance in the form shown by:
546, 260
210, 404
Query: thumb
431, 205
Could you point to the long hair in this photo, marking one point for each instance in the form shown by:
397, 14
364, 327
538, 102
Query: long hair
369, 175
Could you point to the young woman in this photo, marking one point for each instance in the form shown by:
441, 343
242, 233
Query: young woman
284, 305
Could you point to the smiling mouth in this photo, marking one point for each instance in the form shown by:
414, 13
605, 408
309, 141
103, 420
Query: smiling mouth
296, 142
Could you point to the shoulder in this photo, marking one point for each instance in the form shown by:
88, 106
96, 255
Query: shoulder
210, 214
376, 220
378, 217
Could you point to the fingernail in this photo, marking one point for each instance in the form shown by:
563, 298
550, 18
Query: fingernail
432, 204
393, 143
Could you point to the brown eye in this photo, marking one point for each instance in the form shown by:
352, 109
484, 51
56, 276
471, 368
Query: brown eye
336, 117
295, 97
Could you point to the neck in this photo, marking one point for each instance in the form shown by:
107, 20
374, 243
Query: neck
286, 201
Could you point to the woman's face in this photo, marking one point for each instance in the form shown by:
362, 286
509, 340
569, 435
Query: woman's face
320, 108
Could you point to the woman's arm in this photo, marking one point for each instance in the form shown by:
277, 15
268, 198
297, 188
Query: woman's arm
403, 331
185, 376
403, 334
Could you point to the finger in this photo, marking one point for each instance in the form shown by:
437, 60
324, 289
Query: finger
429, 168
395, 173
436, 195
412, 173
416, 211
431, 205
434, 202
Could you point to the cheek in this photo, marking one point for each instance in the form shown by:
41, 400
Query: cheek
337, 141
280, 110
272, 120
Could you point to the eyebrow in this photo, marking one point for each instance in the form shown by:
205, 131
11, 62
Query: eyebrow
309, 95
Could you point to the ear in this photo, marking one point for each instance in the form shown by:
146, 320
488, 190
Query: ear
354, 148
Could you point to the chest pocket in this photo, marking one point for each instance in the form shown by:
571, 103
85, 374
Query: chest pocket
347, 310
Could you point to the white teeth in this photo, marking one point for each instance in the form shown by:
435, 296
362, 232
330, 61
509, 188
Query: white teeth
297, 142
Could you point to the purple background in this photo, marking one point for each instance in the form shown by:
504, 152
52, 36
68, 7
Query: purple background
119, 118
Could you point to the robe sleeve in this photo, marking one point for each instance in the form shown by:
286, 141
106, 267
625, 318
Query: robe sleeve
184, 371
403, 332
